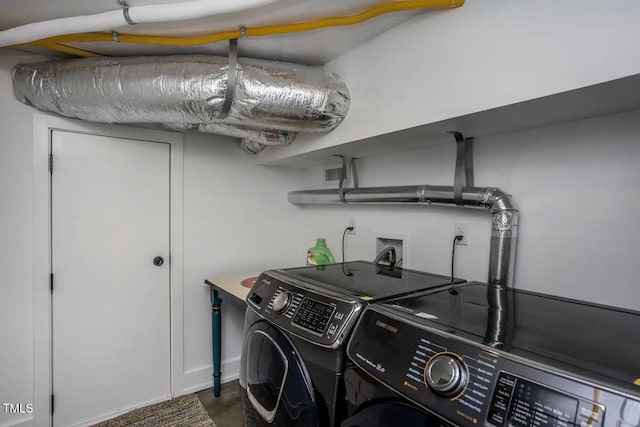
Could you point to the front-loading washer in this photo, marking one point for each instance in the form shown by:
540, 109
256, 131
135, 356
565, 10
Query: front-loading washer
296, 324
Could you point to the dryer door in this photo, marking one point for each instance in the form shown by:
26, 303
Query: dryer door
277, 389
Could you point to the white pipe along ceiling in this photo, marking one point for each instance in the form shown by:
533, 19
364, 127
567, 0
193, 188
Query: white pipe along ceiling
106, 21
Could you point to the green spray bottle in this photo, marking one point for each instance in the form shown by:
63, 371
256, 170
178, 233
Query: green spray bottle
320, 254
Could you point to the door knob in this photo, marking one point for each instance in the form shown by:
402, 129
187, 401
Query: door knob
158, 261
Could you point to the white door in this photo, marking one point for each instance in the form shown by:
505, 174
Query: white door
110, 304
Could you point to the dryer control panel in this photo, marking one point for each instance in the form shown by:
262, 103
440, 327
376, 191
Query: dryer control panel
470, 385
304, 310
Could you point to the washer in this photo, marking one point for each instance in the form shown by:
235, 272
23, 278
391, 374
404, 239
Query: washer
296, 325
475, 354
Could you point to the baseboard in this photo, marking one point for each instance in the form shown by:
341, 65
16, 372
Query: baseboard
202, 378
24, 422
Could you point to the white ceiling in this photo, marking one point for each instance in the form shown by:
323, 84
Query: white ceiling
316, 47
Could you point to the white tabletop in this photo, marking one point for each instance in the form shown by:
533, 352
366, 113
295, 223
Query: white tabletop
232, 284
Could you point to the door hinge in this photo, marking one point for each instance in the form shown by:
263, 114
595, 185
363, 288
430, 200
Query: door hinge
50, 162
51, 281
52, 403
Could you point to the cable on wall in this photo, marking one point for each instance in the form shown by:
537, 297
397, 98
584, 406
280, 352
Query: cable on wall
453, 253
344, 233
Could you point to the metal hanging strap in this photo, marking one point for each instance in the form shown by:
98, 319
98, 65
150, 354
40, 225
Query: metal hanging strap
343, 175
354, 173
464, 166
125, 12
232, 78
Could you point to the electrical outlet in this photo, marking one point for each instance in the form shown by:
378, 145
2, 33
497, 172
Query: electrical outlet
352, 223
460, 229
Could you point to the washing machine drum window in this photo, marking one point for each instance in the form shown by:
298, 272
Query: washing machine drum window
265, 379
277, 389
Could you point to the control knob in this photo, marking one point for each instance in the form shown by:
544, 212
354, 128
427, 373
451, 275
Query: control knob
281, 302
446, 374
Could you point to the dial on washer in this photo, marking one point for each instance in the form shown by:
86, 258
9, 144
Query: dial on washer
281, 302
446, 374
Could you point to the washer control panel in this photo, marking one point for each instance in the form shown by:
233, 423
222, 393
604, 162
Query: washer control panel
468, 384
314, 315
304, 310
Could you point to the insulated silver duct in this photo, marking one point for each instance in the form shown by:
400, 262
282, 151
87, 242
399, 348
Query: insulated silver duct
252, 140
269, 102
504, 216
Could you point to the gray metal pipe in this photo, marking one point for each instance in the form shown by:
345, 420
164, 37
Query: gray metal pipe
504, 222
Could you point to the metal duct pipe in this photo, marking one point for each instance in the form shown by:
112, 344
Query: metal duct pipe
268, 103
504, 216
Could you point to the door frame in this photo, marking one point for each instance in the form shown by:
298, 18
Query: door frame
43, 126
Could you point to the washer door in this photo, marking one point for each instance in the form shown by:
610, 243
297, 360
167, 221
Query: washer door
391, 414
276, 386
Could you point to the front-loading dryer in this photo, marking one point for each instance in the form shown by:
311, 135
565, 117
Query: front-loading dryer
479, 355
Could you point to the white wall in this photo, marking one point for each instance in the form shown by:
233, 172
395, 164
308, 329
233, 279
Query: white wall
576, 185
488, 53
16, 296
236, 220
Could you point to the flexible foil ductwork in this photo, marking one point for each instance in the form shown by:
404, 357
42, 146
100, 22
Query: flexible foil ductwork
271, 101
252, 140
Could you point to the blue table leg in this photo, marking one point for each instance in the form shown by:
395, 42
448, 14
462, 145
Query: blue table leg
216, 328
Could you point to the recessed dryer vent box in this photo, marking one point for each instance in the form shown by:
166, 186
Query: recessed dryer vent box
397, 241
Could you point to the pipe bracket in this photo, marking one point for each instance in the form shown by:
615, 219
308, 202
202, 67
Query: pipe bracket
115, 36
125, 12
232, 78
354, 173
343, 175
464, 166
243, 31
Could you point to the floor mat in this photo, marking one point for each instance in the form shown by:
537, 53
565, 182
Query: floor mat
181, 412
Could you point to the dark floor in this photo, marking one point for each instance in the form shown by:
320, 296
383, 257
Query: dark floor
226, 410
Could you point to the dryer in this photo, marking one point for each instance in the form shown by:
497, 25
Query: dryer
296, 325
477, 355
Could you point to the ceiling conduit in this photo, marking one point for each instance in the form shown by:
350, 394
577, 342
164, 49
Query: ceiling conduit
117, 18
81, 29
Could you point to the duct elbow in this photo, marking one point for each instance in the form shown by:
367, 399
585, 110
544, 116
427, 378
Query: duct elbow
504, 234
496, 200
